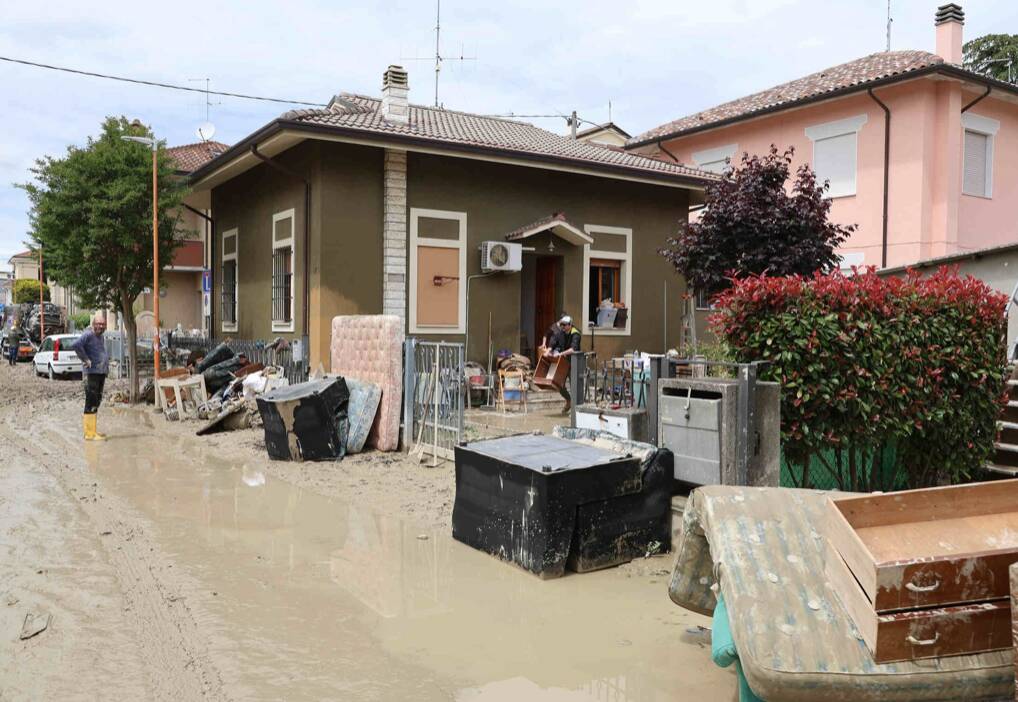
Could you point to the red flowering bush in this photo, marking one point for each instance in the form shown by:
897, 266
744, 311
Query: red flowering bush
866, 362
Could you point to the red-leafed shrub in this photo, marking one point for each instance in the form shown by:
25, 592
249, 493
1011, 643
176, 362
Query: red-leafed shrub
867, 362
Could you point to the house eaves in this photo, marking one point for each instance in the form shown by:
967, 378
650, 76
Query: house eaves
206, 175
946, 69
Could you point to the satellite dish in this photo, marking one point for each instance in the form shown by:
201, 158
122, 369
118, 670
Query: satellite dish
206, 130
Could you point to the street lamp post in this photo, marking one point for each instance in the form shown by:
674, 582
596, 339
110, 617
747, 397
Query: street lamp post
154, 145
42, 301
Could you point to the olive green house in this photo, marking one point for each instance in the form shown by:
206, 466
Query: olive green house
463, 225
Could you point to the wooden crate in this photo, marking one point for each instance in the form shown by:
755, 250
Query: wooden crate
924, 573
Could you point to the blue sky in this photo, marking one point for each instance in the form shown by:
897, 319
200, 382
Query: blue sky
654, 60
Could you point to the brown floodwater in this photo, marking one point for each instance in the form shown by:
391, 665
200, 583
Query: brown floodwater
306, 597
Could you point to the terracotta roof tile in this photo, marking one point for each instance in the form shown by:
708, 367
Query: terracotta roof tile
498, 134
854, 73
191, 157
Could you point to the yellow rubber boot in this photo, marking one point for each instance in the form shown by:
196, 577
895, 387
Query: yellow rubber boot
95, 429
90, 433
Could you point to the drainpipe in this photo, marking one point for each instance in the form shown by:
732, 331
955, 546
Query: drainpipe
307, 236
978, 99
661, 145
211, 263
887, 161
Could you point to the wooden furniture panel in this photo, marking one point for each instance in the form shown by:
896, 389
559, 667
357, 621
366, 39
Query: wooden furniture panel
924, 633
551, 372
922, 548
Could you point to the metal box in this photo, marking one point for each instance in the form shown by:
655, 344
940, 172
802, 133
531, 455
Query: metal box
716, 439
625, 422
691, 428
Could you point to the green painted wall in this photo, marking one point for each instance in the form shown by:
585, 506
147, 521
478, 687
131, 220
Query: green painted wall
499, 198
346, 249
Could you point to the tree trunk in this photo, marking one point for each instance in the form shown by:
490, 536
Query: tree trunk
131, 327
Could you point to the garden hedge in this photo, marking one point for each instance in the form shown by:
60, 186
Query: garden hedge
868, 363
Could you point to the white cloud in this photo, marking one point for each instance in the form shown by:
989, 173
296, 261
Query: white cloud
654, 59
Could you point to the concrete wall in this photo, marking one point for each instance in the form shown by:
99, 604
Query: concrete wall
499, 198
181, 301
999, 270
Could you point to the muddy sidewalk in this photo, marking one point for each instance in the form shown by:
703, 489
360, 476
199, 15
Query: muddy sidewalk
182, 568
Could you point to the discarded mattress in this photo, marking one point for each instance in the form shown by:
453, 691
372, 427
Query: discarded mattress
306, 421
370, 348
545, 502
363, 407
764, 548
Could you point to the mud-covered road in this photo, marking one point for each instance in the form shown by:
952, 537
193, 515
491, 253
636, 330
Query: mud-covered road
175, 567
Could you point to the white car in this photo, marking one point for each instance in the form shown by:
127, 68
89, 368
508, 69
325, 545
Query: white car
55, 356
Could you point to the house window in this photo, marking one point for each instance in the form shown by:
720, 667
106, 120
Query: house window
438, 271
715, 160
608, 275
282, 271
605, 283
835, 145
977, 168
703, 300
229, 276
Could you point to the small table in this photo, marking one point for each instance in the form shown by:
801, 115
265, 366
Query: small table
183, 386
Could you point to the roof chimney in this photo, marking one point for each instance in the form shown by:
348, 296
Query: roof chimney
395, 87
949, 21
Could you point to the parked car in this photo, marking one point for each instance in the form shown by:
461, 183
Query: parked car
26, 350
55, 356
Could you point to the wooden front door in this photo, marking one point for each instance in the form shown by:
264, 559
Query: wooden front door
545, 308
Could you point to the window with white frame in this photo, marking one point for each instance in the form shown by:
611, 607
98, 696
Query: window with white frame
715, 160
835, 148
282, 271
229, 280
438, 271
977, 166
608, 280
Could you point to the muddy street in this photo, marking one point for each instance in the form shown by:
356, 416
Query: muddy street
174, 567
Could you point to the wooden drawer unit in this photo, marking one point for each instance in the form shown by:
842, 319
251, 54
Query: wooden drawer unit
924, 573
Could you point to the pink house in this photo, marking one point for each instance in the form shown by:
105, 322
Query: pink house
919, 152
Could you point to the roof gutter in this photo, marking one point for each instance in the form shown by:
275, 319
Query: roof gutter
887, 173
941, 68
306, 311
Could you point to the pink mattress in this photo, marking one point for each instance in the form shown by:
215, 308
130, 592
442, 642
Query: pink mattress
370, 348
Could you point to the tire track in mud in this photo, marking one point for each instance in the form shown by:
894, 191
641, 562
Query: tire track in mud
178, 663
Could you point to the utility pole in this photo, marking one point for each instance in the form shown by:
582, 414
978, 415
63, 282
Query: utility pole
42, 301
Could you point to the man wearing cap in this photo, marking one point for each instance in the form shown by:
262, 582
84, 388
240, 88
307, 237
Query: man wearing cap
566, 344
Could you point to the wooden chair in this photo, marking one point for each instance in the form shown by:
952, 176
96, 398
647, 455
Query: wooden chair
514, 382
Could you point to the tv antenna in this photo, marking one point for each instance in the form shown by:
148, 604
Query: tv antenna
206, 130
438, 58
889, 21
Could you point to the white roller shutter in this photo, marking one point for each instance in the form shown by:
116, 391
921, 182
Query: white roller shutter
834, 160
976, 149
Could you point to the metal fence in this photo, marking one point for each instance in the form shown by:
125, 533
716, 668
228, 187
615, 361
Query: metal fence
433, 397
175, 350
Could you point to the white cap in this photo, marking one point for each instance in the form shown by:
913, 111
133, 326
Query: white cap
566, 319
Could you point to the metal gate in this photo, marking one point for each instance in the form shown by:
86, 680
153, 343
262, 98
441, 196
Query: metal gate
433, 399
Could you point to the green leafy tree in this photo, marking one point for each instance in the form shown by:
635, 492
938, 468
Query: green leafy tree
993, 55
27, 290
91, 211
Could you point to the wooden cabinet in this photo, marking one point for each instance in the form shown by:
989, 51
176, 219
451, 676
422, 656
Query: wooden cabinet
552, 372
924, 573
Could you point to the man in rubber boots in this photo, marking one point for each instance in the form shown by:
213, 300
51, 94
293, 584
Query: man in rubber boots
94, 364
569, 344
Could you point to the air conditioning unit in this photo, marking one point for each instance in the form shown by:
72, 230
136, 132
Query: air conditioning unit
501, 256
